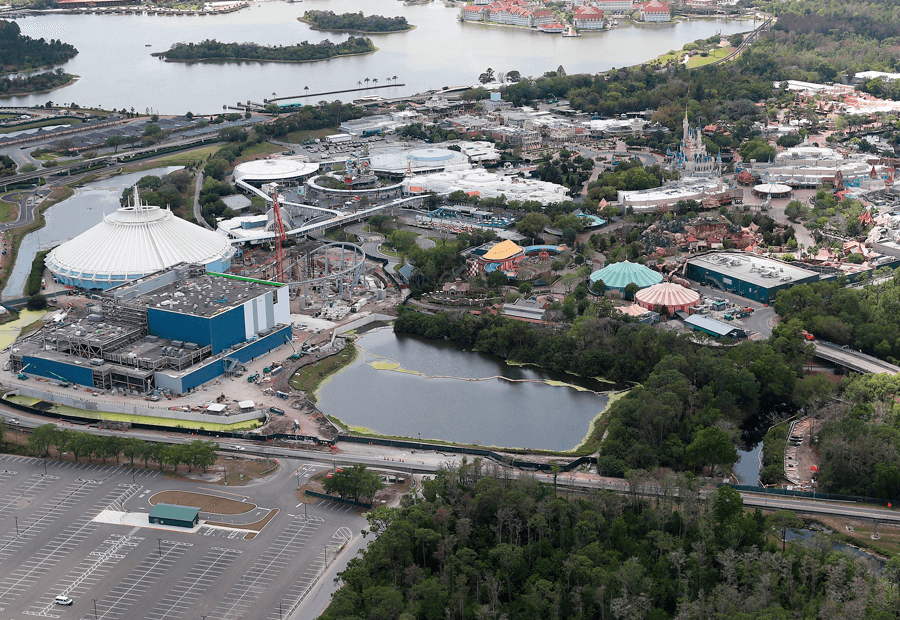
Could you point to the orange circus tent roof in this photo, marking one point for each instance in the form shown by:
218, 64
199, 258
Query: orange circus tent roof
503, 250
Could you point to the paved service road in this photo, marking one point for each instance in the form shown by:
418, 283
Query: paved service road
62, 533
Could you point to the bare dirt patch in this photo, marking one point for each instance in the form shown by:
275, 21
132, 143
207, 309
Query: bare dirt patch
203, 501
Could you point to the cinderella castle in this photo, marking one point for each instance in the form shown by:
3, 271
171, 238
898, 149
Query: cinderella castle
691, 158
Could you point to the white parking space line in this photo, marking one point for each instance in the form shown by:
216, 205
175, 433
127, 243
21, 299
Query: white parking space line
204, 574
309, 577
31, 571
97, 564
137, 582
241, 599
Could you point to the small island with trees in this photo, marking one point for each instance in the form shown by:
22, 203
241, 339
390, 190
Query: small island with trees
21, 53
355, 22
212, 50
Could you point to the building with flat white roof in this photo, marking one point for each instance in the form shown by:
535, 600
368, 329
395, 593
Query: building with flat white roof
665, 197
479, 182
274, 169
421, 160
745, 274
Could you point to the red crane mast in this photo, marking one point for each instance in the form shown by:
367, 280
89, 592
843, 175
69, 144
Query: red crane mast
279, 237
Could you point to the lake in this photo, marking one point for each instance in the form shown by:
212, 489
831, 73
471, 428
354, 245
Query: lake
525, 413
116, 70
71, 217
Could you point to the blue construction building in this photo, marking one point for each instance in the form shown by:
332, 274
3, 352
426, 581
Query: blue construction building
174, 330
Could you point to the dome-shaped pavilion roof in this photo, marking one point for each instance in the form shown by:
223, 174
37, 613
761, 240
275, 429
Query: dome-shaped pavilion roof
620, 275
134, 241
667, 294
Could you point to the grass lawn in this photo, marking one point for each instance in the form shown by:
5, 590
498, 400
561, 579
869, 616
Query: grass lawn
47, 123
297, 137
675, 55
263, 148
716, 54
184, 158
309, 378
5, 210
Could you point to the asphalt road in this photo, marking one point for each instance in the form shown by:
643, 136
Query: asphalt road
28, 203
55, 539
412, 462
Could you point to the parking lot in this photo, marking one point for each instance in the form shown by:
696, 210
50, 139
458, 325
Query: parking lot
57, 538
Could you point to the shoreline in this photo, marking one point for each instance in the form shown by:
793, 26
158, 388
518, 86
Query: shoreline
313, 26
27, 93
581, 448
162, 56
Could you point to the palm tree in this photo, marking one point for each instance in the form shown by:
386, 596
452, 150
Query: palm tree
374, 81
306, 88
395, 79
359, 83
367, 81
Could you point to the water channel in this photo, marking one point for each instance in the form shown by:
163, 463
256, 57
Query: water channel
71, 217
524, 411
116, 69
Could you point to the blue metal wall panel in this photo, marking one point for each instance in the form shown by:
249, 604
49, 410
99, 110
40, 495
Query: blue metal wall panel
261, 346
227, 329
202, 375
81, 375
178, 326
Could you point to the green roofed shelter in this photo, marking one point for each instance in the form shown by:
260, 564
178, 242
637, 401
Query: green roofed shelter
179, 516
620, 275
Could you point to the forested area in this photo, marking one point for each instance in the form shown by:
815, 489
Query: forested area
37, 82
302, 52
18, 52
859, 435
321, 116
864, 318
199, 454
483, 546
355, 22
684, 390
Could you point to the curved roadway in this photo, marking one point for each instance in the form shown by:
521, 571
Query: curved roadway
429, 461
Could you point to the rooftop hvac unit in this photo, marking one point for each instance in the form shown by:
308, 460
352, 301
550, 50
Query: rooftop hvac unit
177, 343
152, 338
96, 361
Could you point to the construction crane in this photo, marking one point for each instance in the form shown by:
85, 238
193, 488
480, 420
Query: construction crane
279, 237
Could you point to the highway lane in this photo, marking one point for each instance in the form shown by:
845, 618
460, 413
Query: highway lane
428, 461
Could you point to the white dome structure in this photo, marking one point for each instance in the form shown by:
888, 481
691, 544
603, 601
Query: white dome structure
133, 242
275, 169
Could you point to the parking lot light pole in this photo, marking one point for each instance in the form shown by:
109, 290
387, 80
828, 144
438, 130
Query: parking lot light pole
95, 608
159, 544
17, 525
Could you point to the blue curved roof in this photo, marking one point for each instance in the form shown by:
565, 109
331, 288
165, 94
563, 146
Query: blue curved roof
620, 275
537, 249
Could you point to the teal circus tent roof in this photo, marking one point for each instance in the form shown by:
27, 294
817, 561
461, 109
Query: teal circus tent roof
620, 275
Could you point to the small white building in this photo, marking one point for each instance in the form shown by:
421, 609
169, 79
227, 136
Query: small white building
338, 138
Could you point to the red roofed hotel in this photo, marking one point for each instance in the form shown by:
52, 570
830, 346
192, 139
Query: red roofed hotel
655, 11
588, 18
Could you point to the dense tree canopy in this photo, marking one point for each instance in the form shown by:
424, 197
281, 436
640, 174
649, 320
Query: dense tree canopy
303, 52
355, 22
18, 52
482, 546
